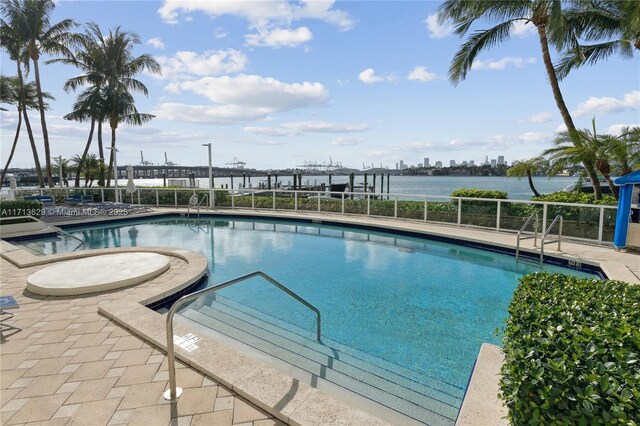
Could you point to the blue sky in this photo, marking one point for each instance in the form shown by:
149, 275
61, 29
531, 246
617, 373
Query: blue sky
277, 83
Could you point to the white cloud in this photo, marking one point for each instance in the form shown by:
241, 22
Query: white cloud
240, 99
421, 74
498, 142
501, 64
533, 137
523, 28
437, 30
561, 128
369, 76
606, 105
156, 42
297, 128
279, 37
259, 13
346, 141
403, 151
540, 117
186, 64
616, 129
218, 33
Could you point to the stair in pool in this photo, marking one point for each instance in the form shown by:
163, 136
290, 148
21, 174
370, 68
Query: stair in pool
427, 400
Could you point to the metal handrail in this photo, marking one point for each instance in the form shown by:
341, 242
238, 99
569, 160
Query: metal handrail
544, 236
206, 197
535, 234
174, 392
46, 225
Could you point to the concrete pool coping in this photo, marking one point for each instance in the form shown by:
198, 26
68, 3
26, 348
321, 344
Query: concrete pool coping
616, 265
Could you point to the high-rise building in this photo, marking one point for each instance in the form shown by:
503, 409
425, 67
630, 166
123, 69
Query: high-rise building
500, 160
419, 165
397, 166
426, 162
465, 163
401, 164
493, 163
472, 163
452, 163
438, 164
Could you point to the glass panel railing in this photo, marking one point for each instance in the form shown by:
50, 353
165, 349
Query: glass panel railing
411, 207
355, 203
609, 224
381, 206
308, 201
331, 203
442, 209
222, 198
483, 213
579, 221
285, 200
514, 214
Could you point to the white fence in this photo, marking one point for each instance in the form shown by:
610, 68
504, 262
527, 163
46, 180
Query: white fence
591, 223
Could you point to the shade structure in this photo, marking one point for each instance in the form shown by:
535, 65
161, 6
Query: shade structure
131, 187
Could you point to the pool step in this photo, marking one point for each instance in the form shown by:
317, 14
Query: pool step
412, 399
406, 377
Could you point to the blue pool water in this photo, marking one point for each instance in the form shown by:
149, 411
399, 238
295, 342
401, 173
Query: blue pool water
423, 305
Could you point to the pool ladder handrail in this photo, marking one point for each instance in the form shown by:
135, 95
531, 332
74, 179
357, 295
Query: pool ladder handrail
544, 236
522, 230
46, 225
174, 392
197, 204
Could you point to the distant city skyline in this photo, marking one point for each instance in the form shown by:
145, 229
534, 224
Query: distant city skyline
276, 84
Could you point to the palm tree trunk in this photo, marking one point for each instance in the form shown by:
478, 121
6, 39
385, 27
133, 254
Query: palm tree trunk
564, 111
101, 155
23, 101
113, 147
13, 147
36, 159
612, 186
533, 188
86, 151
43, 122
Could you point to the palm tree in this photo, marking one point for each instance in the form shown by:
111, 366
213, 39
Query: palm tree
624, 151
11, 41
584, 146
527, 168
31, 20
120, 81
545, 15
23, 98
617, 22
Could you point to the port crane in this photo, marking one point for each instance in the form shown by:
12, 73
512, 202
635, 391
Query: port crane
236, 164
143, 162
167, 162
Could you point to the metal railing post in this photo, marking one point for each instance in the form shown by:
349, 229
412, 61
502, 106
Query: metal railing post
395, 206
233, 201
274, 199
343, 203
544, 217
601, 225
102, 194
498, 216
295, 200
318, 200
253, 199
425, 209
368, 204
175, 198
459, 211
138, 196
157, 198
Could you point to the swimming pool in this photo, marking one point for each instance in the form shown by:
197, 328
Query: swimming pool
403, 317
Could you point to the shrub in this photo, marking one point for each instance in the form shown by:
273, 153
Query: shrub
479, 193
20, 208
571, 352
576, 198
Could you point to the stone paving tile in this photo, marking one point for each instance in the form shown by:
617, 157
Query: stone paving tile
133, 357
96, 353
88, 340
45, 367
138, 374
219, 418
91, 370
245, 412
126, 342
197, 401
43, 385
142, 395
94, 413
146, 416
92, 390
51, 350
38, 409
121, 417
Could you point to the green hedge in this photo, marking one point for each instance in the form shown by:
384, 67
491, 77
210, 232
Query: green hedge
572, 352
20, 208
479, 193
576, 198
